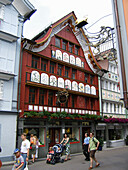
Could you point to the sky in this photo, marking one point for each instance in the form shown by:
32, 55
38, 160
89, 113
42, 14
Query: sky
49, 11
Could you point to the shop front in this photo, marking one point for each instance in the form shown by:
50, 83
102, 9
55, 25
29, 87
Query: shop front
112, 134
51, 132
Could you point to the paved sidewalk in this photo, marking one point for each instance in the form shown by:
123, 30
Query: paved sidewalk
110, 159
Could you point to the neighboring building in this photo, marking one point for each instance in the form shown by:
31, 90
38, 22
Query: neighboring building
111, 103
120, 15
55, 59
13, 13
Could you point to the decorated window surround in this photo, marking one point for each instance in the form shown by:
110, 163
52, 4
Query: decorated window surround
50, 82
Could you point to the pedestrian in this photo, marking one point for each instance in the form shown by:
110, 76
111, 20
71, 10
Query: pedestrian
33, 147
86, 145
66, 144
25, 146
93, 146
37, 146
18, 165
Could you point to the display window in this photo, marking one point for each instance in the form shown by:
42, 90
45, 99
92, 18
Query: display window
39, 132
73, 133
115, 134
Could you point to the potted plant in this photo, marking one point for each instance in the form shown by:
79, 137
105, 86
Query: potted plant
101, 144
126, 140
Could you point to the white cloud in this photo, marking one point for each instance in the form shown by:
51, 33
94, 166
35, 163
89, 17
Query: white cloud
48, 11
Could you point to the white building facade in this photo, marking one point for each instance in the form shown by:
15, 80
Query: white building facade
112, 104
13, 14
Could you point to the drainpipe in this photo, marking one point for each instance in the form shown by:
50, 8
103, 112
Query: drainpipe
120, 52
19, 89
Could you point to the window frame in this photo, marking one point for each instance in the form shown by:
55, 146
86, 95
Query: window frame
52, 66
32, 95
57, 42
35, 61
44, 62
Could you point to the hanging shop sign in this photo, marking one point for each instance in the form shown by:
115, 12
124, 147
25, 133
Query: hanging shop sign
62, 96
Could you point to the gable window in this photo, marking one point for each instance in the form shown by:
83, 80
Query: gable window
57, 42
59, 70
64, 45
67, 72
70, 48
50, 98
35, 62
76, 50
86, 77
52, 67
32, 94
41, 96
91, 79
43, 65
73, 74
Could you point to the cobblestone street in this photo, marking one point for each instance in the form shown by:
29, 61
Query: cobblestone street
112, 159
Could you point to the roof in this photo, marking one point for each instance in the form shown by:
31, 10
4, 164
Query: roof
24, 7
70, 18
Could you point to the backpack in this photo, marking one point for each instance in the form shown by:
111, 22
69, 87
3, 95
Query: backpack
94, 141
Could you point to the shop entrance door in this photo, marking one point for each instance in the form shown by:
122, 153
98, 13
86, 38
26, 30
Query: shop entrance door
85, 130
54, 135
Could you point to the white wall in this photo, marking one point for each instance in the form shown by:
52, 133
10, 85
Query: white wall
8, 134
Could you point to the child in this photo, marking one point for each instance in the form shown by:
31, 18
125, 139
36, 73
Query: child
50, 153
19, 160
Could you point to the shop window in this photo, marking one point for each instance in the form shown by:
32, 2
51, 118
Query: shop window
57, 42
41, 96
86, 77
73, 74
32, 94
115, 134
59, 70
76, 50
91, 79
44, 65
70, 48
67, 72
52, 67
73, 133
50, 98
38, 132
35, 62
64, 45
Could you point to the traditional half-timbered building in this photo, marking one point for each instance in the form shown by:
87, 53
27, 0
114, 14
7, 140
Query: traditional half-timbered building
53, 63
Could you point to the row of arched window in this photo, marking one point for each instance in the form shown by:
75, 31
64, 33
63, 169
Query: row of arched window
61, 83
